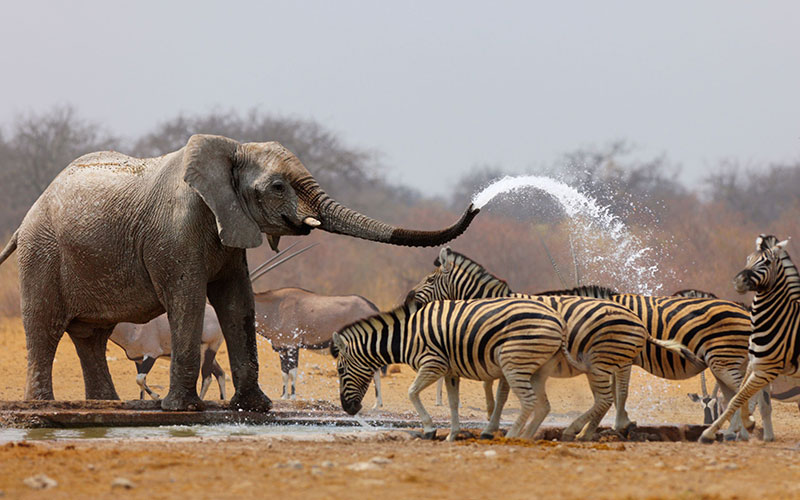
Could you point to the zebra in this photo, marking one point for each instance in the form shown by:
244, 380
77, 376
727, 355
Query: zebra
717, 331
775, 317
603, 338
714, 331
517, 340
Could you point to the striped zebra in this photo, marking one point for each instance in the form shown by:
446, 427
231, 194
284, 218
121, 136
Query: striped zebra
517, 340
603, 338
715, 331
775, 317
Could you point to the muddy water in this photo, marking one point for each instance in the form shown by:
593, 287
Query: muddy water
175, 431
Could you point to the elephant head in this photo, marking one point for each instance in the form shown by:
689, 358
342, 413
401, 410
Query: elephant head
255, 188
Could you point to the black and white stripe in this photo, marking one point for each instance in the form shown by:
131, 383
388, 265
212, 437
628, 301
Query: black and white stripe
775, 318
603, 338
516, 340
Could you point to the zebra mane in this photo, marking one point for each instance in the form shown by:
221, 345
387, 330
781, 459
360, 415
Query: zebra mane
595, 291
474, 268
404, 310
790, 270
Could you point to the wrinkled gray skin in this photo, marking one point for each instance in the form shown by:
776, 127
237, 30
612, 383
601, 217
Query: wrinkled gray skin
291, 318
143, 344
119, 239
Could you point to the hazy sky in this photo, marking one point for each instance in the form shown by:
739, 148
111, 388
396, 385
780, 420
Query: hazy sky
436, 86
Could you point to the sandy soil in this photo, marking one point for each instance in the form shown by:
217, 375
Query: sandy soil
363, 465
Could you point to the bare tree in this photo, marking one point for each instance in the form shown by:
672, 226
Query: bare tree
38, 148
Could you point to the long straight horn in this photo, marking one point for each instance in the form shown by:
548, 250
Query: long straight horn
552, 261
574, 262
703, 384
273, 258
276, 264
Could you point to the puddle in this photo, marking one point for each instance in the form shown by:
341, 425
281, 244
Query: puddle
173, 431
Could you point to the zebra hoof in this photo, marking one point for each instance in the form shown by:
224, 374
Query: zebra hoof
486, 435
705, 440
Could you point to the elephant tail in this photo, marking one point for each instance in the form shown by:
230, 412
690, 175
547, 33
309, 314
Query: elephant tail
10, 247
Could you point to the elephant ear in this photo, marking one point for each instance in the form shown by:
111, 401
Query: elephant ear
208, 163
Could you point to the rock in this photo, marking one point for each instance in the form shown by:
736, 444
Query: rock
291, 464
40, 482
124, 483
490, 454
380, 460
680, 468
362, 466
327, 464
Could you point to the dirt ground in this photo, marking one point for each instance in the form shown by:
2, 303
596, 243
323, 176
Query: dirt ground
367, 465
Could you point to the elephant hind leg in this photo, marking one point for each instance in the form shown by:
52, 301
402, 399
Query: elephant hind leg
41, 343
92, 353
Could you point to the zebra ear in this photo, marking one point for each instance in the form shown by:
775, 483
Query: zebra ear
338, 344
446, 259
781, 245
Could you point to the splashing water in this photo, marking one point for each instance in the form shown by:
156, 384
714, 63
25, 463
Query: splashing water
608, 249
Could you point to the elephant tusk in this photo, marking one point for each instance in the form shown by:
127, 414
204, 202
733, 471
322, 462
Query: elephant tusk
273, 241
311, 221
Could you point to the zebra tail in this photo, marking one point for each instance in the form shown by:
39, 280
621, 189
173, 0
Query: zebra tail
679, 349
10, 247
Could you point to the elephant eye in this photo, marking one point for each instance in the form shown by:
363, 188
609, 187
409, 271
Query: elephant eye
278, 187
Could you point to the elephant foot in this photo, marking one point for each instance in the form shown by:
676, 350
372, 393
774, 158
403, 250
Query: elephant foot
252, 400
182, 402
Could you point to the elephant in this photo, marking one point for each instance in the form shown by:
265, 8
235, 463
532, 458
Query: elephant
120, 239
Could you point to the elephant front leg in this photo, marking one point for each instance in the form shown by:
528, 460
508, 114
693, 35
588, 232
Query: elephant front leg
185, 316
232, 298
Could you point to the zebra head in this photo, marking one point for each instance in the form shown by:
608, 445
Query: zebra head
762, 266
457, 277
438, 284
354, 374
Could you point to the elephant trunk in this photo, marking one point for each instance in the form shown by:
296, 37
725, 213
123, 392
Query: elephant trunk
336, 218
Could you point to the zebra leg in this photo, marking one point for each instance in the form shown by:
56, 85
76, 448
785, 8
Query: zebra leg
494, 420
621, 381
756, 381
378, 397
520, 383
600, 382
489, 393
765, 409
735, 430
748, 421
426, 376
453, 400
439, 392
542, 408
143, 368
